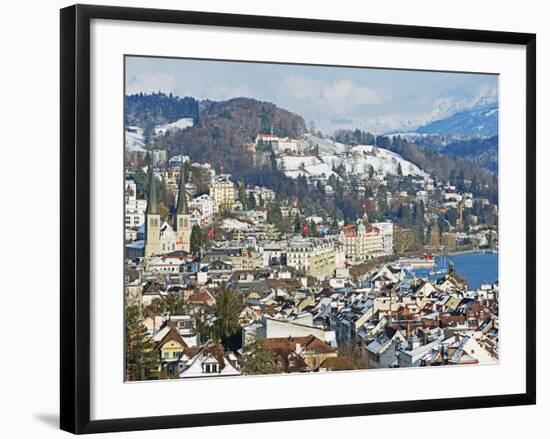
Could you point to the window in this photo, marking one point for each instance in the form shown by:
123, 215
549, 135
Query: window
166, 355
210, 368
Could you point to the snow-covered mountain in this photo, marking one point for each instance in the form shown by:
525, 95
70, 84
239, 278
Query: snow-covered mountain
480, 121
392, 123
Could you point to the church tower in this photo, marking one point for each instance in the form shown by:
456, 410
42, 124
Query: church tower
183, 221
152, 220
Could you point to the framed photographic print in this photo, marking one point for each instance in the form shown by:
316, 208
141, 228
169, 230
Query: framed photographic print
340, 214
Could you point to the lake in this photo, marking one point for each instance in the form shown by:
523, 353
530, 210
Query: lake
478, 268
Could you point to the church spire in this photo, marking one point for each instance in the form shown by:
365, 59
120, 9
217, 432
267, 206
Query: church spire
152, 202
182, 208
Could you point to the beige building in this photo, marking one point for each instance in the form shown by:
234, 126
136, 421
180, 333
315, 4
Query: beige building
246, 260
313, 257
159, 237
222, 191
362, 241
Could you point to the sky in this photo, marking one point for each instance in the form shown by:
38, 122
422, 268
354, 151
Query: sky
330, 96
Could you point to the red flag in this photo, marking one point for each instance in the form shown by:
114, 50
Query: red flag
211, 232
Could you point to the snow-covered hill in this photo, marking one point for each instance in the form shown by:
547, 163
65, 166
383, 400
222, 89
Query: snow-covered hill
134, 139
180, 124
356, 160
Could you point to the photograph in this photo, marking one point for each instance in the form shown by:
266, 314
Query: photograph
297, 218
275, 219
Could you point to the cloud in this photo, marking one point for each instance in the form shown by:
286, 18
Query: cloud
151, 82
334, 97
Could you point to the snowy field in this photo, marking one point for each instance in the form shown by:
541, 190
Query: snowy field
356, 160
179, 124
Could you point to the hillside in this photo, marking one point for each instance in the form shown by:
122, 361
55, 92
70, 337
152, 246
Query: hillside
481, 150
148, 110
438, 164
354, 160
224, 128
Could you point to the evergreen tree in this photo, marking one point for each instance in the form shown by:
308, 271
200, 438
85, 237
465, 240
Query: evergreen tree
196, 240
273, 160
404, 215
419, 213
187, 171
227, 313
382, 200
257, 359
242, 195
452, 216
140, 356
274, 215
251, 201
297, 224
371, 171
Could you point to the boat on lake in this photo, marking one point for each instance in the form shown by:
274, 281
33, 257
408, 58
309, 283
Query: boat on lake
425, 261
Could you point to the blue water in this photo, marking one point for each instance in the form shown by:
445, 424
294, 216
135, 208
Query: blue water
477, 268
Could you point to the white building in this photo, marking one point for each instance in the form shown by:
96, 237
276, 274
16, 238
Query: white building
266, 194
207, 207
211, 360
134, 210
158, 157
266, 138
386, 231
167, 264
177, 160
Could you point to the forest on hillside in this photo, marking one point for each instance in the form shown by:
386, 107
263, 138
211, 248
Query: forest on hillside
225, 128
148, 110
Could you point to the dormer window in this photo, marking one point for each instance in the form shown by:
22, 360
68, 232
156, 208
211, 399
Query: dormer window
210, 368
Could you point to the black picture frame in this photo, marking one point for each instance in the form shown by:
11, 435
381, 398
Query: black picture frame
75, 217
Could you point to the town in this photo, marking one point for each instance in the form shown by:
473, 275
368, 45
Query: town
225, 278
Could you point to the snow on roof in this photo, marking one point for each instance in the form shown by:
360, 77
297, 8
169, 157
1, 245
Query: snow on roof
161, 334
136, 244
233, 224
